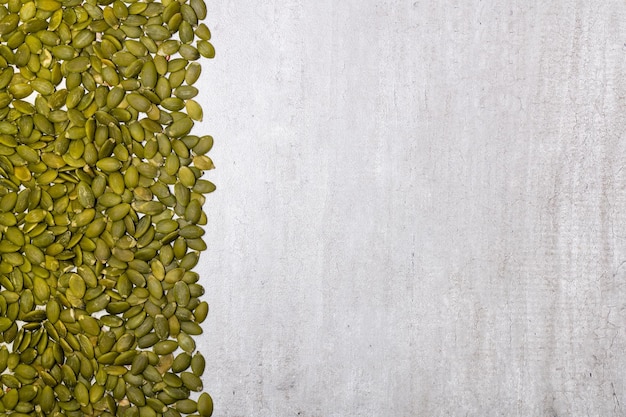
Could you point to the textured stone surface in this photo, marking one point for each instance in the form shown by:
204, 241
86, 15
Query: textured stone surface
421, 208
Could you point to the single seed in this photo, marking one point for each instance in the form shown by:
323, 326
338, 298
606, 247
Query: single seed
138, 102
206, 49
186, 406
194, 110
181, 362
203, 32
79, 64
201, 312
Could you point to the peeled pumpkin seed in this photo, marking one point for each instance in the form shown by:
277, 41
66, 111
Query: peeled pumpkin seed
96, 187
139, 102
203, 32
206, 49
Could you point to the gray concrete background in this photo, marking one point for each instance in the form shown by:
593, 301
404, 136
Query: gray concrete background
421, 208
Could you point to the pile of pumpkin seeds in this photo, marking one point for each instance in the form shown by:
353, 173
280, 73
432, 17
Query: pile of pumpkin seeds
101, 202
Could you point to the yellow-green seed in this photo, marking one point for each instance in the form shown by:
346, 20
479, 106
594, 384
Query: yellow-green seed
203, 32
194, 110
109, 164
186, 406
139, 102
201, 311
79, 64
48, 5
206, 49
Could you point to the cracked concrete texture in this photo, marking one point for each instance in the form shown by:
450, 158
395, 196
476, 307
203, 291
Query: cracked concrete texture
420, 208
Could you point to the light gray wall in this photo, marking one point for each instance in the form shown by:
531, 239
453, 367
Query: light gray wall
421, 208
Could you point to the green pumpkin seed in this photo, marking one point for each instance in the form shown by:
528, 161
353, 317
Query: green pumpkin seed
79, 64
181, 362
164, 347
206, 49
203, 32
186, 406
109, 164
192, 73
138, 102
194, 110
48, 5
64, 52
201, 311
186, 92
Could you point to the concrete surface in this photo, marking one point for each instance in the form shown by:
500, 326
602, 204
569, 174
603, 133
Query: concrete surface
421, 208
